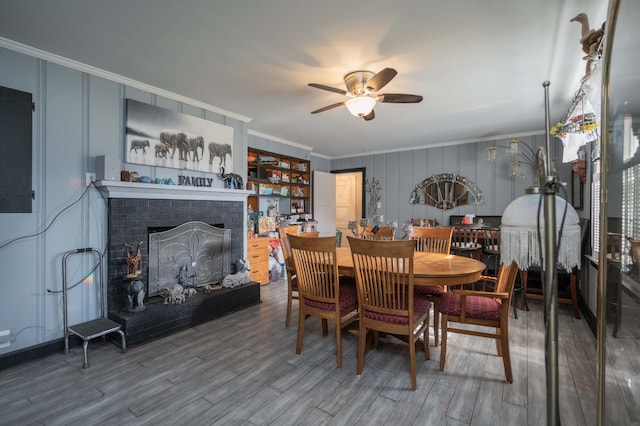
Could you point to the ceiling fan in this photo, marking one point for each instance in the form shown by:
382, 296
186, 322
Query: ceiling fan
361, 88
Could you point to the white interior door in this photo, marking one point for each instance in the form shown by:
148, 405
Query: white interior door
348, 201
324, 202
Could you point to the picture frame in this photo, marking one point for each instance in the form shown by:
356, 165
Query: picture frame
577, 191
160, 137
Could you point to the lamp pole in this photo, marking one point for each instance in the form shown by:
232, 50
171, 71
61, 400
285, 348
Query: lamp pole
549, 189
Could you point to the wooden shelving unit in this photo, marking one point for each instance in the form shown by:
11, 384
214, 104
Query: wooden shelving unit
278, 179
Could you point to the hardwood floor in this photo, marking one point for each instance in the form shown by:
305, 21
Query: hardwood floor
242, 369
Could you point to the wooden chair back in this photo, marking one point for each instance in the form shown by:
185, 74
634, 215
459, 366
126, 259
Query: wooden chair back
384, 275
491, 240
464, 242
284, 230
286, 252
614, 246
381, 233
465, 238
314, 234
434, 240
506, 281
316, 268
292, 278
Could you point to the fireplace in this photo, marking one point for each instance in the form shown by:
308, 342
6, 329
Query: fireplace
206, 253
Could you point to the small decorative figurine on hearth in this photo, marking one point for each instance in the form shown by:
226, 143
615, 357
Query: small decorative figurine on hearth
134, 262
183, 277
136, 295
239, 278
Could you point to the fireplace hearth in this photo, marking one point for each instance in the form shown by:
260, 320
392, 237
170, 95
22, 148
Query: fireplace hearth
207, 252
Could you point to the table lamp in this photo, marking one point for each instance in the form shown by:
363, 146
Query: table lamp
519, 232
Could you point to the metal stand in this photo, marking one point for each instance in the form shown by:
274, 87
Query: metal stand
89, 329
549, 190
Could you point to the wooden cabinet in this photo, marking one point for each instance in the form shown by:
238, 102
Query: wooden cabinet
279, 182
258, 256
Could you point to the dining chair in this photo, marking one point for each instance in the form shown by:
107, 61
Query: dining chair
491, 248
283, 231
434, 240
386, 301
319, 290
313, 234
465, 242
482, 308
292, 278
377, 233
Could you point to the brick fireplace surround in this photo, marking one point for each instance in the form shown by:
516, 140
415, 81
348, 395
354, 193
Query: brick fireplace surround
135, 207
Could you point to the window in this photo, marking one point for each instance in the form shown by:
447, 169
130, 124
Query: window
595, 214
631, 202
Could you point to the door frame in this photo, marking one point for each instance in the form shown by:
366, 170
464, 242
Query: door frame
362, 170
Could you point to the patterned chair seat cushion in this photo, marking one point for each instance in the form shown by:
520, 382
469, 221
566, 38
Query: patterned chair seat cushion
432, 290
348, 299
420, 307
478, 307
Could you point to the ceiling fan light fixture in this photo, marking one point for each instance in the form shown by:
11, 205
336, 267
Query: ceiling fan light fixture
360, 105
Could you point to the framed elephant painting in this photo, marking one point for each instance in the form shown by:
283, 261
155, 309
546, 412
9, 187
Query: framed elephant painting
160, 137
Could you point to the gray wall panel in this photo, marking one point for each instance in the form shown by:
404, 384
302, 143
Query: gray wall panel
22, 262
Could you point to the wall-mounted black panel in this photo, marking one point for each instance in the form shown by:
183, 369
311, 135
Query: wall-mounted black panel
15, 151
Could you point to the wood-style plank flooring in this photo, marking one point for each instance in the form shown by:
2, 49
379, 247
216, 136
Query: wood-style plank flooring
242, 369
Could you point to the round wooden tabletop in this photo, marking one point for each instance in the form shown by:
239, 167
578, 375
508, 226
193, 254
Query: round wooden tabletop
429, 268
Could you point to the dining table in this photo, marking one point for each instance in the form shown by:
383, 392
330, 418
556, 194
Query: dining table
429, 269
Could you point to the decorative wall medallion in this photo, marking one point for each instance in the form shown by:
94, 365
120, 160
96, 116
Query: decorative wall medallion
446, 191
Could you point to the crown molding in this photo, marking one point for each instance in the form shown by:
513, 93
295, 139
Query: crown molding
79, 66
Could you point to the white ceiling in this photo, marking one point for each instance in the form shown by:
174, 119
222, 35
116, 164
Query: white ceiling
479, 64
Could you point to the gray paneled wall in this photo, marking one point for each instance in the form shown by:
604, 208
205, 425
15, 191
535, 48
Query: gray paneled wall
400, 171
78, 117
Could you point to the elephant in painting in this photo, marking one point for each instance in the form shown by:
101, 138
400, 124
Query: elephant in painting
161, 150
173, 139
221, 151
195, 143
137, 144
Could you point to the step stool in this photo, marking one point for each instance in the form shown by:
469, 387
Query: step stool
94, 328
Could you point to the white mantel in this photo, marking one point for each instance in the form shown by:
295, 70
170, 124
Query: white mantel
118, 189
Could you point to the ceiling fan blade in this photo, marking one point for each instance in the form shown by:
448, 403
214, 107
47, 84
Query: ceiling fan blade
381, 79
399, 98
328, 107
370, 116
329, 88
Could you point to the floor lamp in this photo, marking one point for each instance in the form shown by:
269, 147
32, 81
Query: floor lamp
533, 226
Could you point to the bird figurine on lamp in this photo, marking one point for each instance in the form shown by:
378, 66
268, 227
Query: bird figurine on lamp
591, 41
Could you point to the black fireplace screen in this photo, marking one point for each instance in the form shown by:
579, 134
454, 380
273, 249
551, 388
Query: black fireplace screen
191, 254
